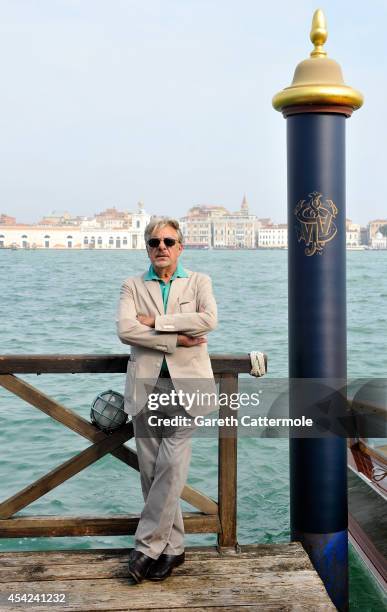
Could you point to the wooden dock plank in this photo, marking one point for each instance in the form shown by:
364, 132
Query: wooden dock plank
193, 552
117, 568
265, 577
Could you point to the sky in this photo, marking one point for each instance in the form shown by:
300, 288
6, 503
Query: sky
110, 102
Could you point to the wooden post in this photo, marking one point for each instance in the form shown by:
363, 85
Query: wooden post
227, 468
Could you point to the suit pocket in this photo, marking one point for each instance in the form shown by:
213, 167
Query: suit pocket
187, 303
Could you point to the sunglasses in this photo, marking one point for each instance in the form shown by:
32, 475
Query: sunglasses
153, 243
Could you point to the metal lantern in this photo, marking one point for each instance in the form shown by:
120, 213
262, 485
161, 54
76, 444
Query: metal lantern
107, 411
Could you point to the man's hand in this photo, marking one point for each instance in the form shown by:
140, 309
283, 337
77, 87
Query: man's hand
146, 320
183, 340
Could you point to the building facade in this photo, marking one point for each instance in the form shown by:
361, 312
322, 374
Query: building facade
39, 237
216, 227
273, 236
87, 235
7, 220
373, 228
379, 241
353, 234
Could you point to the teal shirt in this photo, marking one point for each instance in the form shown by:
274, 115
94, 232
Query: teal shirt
165, 289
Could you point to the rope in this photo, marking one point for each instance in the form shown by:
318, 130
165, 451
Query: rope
257, 364
378, 474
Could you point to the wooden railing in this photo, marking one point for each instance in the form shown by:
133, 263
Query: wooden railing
213, 516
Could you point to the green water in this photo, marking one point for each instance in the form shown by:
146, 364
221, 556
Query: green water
65, 302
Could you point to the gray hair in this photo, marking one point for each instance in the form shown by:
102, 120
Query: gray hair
160, 222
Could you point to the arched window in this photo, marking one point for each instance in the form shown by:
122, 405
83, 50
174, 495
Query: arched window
47, 242
99, 241
85, 240
2, 241
69, 242
111, 240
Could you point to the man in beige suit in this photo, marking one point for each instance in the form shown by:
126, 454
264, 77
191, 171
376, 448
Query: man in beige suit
165, 315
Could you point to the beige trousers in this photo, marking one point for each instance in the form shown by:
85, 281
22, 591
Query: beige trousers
164, 453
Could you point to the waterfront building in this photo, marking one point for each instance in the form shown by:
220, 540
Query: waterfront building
233, 232
215, 227
90, 223
111, 218
378, 241
197, 234
364, 236
86, 235
59, 219
373, 227
353, 237
24, 236
273, 236
7, 220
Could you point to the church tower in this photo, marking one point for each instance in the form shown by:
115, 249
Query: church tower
244, 207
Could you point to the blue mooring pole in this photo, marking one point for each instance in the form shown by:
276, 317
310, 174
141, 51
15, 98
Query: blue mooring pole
316, 106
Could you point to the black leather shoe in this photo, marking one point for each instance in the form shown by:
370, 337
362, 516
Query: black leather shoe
162, 568
139, 565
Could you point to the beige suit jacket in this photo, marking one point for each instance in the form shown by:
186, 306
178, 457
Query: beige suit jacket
191, 310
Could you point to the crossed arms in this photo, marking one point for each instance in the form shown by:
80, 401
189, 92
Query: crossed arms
165, 332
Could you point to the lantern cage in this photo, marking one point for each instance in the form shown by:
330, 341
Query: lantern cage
107, 411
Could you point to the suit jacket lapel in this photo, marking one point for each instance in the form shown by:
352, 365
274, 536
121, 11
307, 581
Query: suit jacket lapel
154, 290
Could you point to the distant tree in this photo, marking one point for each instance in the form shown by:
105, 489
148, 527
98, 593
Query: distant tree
383, 230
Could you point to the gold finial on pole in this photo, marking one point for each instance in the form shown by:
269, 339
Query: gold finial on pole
318, 34
318, 80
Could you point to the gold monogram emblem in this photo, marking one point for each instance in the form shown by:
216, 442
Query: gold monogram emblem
315, 222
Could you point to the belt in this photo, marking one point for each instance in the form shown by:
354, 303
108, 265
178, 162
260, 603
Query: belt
164, 375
